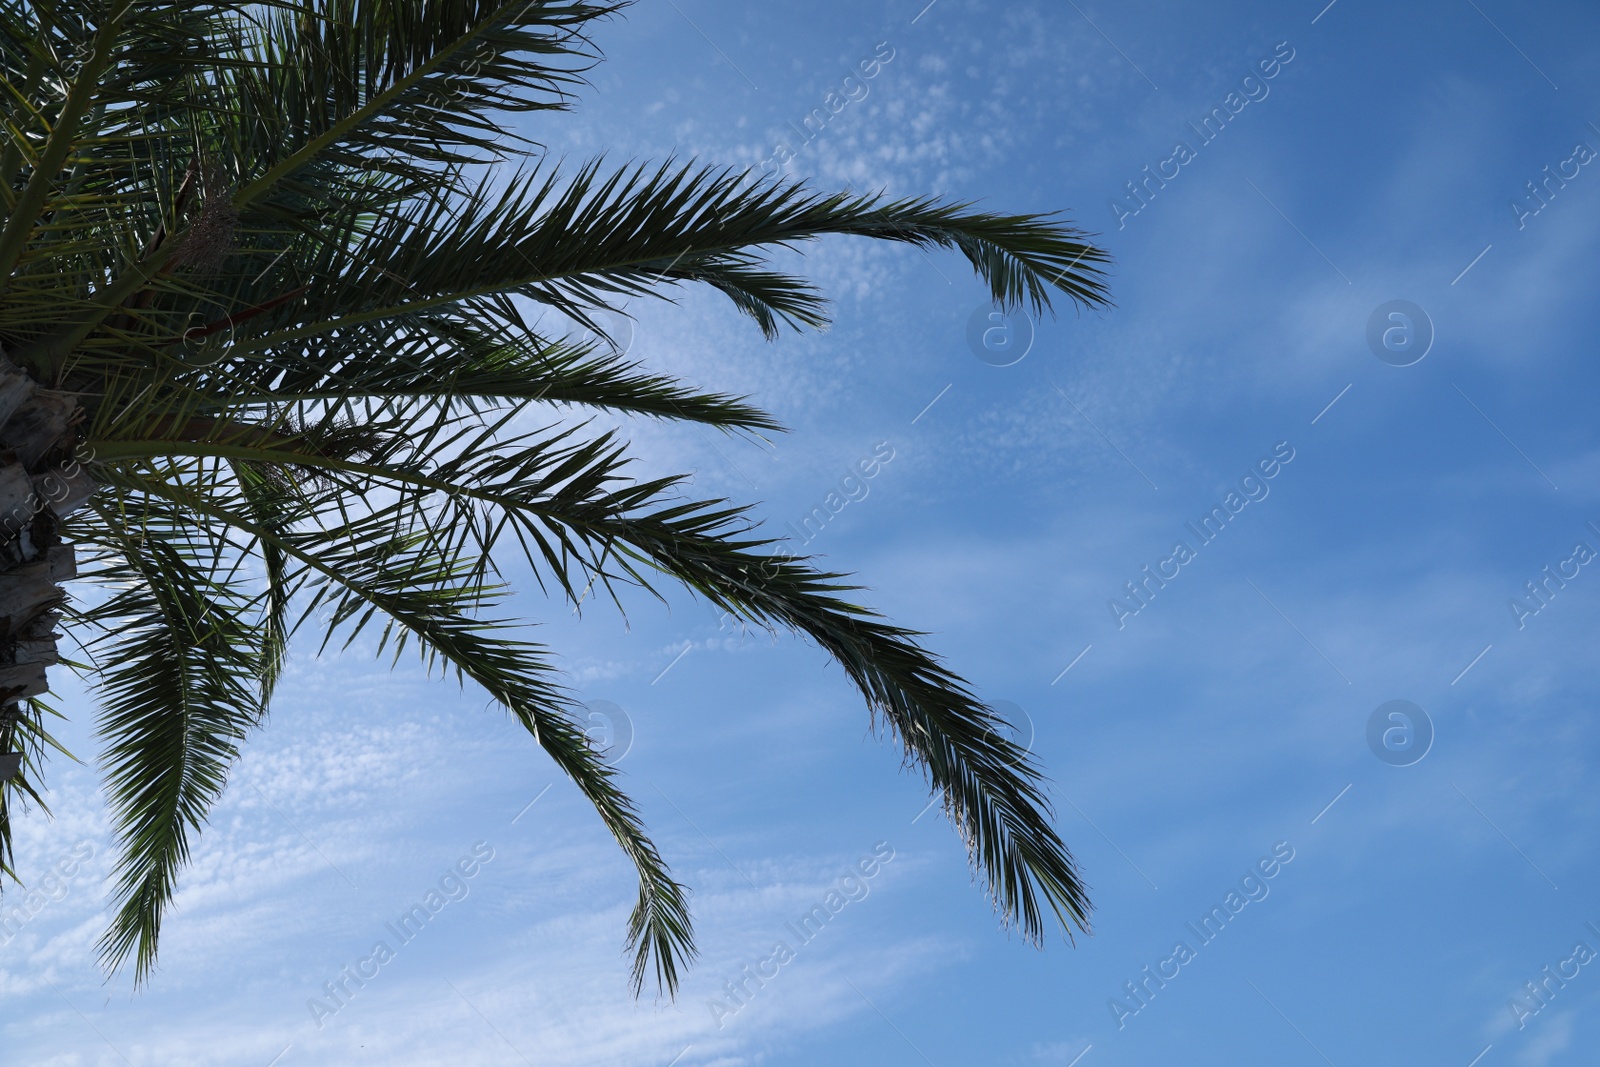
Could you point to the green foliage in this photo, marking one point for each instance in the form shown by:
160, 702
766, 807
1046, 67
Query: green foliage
266, 245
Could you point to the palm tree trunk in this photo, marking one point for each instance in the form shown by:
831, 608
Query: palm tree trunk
41, 482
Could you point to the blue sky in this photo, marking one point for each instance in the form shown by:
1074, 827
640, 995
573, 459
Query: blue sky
1227, 718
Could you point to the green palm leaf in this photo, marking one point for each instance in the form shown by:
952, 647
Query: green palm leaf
267, 248
178, 694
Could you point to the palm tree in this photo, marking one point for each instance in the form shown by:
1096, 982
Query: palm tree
263, 335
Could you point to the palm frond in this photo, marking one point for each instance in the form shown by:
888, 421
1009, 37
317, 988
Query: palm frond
416, 589
25, 732
668, 225
474, 358
264, 245
573, 511
179, 694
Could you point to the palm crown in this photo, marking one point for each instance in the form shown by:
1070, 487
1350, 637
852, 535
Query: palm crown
266, 306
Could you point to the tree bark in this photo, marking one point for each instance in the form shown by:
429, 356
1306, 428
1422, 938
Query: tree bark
41, 482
